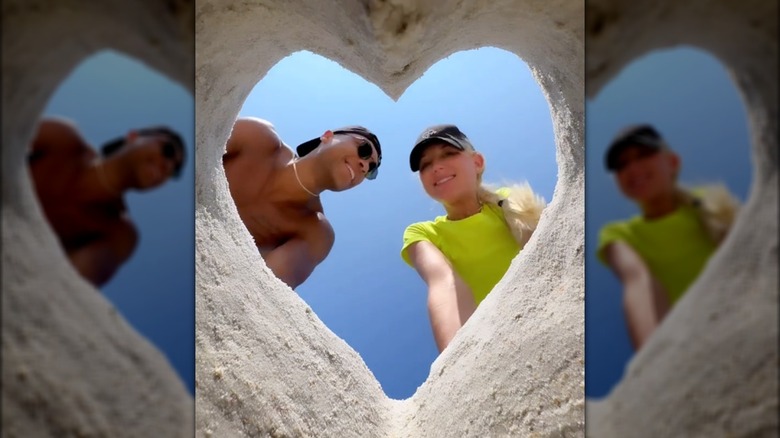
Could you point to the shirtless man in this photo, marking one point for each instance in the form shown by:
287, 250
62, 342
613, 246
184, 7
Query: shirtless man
82, 191
277, 191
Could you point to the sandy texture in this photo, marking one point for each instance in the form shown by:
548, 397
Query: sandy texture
712, 368
266, 365
71, 366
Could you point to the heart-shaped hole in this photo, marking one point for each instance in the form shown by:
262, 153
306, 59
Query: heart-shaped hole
689, 97
105, 97
363, 291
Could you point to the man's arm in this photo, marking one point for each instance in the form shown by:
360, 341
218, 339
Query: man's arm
645, 302
296, 259
252, 134
100, 259
450, 301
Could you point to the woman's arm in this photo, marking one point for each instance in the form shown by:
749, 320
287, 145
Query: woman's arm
645, 301
450, 301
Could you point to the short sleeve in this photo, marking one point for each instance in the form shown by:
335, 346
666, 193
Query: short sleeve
611, 232
414, 233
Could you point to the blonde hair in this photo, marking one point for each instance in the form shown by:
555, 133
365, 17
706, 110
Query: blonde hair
522, 208
715, 207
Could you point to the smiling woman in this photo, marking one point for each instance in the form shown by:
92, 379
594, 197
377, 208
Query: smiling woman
644, 161
463, 254
380, 308
710, 368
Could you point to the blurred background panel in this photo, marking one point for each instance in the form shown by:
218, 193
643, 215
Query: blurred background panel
689, 97
106, 96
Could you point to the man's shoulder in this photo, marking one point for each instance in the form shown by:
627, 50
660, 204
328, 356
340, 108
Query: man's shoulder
255, 135
253, 124
252, 152
60, 137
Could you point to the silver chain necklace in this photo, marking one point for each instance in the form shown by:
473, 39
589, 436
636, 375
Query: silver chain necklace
295, 169
100, 168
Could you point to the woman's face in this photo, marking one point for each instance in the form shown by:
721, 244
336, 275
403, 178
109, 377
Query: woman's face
643, 173
448, 174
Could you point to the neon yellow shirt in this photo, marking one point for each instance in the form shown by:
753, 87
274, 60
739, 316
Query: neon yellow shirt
479, 247
675, 247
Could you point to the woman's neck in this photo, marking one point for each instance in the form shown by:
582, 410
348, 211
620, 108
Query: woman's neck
661, 205
463, 208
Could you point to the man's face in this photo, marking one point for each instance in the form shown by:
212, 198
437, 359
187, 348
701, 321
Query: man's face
644, 173
154, 158
352, 157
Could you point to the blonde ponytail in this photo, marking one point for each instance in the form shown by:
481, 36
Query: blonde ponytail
715, 207
522, 208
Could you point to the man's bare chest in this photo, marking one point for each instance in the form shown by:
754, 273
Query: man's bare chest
77, 222
271, 224
66, 205
269, 217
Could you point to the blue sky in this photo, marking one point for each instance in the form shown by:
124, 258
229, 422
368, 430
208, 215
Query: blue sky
688, 96
107, 95
363, 291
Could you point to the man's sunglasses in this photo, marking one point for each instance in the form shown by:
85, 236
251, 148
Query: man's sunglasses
169, 150
365, 152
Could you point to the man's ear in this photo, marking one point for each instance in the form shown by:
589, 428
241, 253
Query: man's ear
327, 136
131, 136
